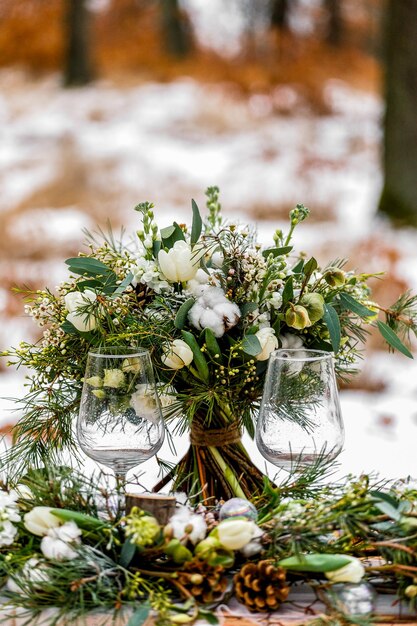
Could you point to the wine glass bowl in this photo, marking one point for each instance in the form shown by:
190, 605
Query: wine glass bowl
300, 419
120, 421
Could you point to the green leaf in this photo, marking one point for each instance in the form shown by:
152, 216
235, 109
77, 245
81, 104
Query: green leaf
181, 316
156, 246
208, 616
69, 328
88, 266
288, 292
393, 340
199, 360
83, 521
197, 224
353, 305
332, 322
212, 345
140, 616
277, 251
125, 283
127, 553
309, 268
298, 267
251, 345
171, 234
248, 307
315, 562
387, 509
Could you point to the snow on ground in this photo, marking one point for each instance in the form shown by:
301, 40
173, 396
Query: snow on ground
166, 143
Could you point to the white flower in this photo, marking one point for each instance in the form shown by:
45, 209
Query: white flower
289, 341
275, 300
268, 341
9, 510
180, 263
214, 311
56, 545
177, 355
113, 378
186, 523
254, 546
94, 381
67, 532
234, 534
198, 284
217, 259
76, 302
143, 401
8, 533
40, 520
353, 572
57, 549
147, 273
32, 572
131, 365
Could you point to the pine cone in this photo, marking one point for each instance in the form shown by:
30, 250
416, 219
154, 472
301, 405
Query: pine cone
143, 295
206, 583
261, 586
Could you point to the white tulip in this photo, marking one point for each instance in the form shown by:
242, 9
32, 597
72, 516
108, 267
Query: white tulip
254, 546
217, 259
177, 355
180, 263
234, 534
40, 520
351, 573
76, 302
268, 341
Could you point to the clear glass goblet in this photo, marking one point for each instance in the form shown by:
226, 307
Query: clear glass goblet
120, 421
300, 420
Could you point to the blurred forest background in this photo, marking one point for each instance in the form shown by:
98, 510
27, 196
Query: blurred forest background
105, 103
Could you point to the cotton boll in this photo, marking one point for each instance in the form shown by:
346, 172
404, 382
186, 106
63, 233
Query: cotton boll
210, 319
229, 311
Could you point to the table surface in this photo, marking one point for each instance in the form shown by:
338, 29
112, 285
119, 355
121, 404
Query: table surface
300, 609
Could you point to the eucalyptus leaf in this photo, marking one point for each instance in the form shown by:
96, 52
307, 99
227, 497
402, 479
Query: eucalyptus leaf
140, 616
251, 345
277, 251
332, 322
199, 359
309, 267
248, 307
393, 340
127, 553
197, 224
88, 266
125, 283
171, 234
348, 302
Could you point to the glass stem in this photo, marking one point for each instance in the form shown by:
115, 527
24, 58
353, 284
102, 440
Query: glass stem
121, 490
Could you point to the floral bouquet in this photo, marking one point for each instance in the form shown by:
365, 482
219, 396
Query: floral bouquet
211, 305
64, 544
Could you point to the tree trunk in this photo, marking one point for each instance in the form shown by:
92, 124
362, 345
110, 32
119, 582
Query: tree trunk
78, 67
399, 196
174, 29
279, 14
335, 22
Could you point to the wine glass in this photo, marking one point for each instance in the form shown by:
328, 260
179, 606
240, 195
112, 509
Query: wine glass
300, 420
120, 420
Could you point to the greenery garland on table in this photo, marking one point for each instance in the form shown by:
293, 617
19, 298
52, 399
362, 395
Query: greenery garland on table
64, 543
211, 305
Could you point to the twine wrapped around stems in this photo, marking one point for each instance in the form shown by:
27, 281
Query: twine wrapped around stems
216, 437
